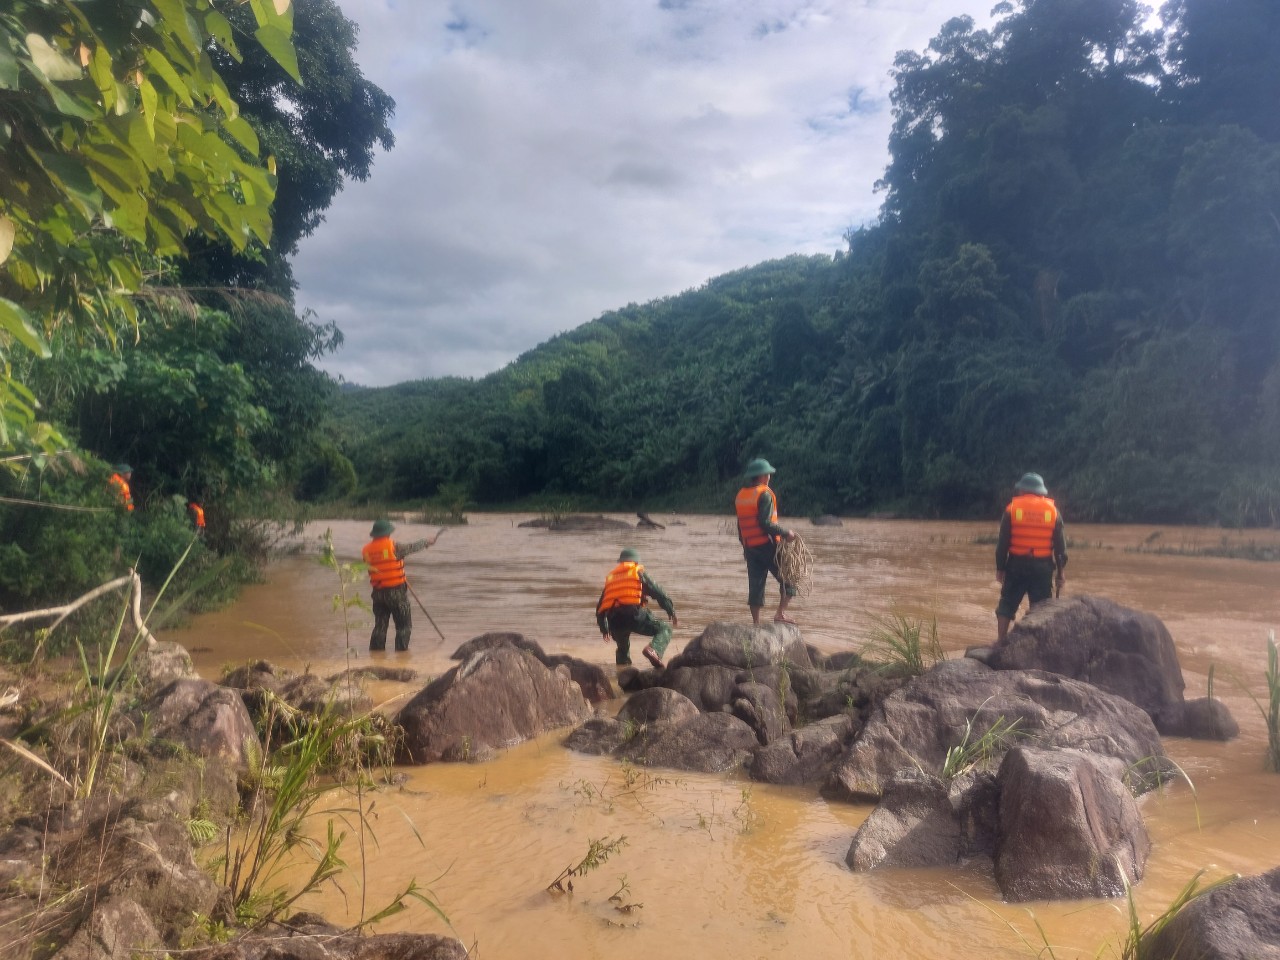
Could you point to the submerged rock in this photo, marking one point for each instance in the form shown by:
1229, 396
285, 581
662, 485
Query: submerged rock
591, 677
915, 726
577, 522
495, 699
1126, 652
1239, 920
1069, 827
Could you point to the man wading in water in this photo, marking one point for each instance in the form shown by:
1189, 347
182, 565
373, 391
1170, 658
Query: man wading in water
1031, 545
621, 611
385, 559
757, 510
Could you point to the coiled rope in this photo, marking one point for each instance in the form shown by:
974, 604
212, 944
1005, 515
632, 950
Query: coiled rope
795, 565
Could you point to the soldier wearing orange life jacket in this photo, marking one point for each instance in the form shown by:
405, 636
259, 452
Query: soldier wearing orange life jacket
119, 480
385, 559
756, 507
1032, 545
621, 611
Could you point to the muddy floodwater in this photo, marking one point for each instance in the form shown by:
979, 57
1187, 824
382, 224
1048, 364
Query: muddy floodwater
718, 867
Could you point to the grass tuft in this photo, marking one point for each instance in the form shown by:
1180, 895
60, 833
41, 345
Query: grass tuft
904, 645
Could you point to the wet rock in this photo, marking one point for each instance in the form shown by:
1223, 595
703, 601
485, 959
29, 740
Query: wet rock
1068, 827
912, 826
709, 743
208, 720
745, 646
116, 927
647, 522
758, 707
493, 700
599, 736
306, 936
790, 684
657, 705
1126, 652
827, 520
498, 638
590, 677
375, 671
1238, 921
914, 727
710, 686
1200, 719
804, 755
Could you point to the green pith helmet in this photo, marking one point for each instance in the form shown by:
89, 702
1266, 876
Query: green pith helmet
122, 469
629, 556
1032, 483
758, 468
381, 527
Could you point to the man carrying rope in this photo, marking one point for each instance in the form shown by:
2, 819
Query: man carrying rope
758, 530
621, 611
385, 559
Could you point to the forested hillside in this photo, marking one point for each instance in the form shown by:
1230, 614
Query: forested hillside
1075, 270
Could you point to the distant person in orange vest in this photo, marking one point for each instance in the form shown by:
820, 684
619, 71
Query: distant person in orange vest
119, 480
1031, 547
197, 517
621, 611
758, 530
385, 559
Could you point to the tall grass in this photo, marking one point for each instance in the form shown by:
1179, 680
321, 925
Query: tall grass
1271, 711
904, 645
286, 786
972, 751
103, 683
1134, 947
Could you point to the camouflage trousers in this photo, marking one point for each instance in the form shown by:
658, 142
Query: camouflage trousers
624, 621
391, 603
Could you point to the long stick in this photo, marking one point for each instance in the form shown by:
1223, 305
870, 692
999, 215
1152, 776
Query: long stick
424, 609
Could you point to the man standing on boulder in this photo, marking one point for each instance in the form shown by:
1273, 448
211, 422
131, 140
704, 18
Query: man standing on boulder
385, 559
621, 611
758, 530
1031, 546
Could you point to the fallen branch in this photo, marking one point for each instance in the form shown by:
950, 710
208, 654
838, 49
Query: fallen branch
61, 613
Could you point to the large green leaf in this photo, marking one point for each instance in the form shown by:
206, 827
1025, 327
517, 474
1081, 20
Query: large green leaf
15, 321
277, 43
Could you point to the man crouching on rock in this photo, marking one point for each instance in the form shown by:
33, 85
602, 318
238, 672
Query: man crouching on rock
621, 611
385, 559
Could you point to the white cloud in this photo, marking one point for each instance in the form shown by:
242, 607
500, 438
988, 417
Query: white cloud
558, 159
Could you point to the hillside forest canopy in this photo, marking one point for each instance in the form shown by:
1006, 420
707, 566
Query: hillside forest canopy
1075, 270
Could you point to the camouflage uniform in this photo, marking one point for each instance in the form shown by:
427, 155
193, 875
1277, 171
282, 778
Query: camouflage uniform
622, 621
392, 603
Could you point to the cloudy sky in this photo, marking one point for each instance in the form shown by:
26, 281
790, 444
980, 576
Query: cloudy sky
556, 159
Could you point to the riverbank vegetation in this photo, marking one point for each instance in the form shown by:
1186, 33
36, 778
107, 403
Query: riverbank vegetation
164, 165
1074, 270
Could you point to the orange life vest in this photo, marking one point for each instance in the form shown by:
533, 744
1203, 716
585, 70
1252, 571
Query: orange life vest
1031, 522
622, 587
385, 568
747, 506
122, 487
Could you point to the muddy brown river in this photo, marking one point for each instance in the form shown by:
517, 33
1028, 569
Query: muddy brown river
720, 868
